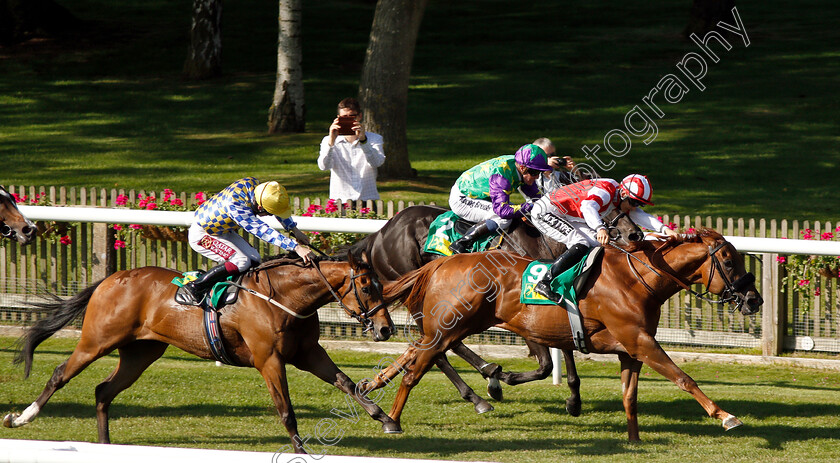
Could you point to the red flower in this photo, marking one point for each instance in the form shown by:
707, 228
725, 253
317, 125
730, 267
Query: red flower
364, 210
671, 225
816, 291
65, 240
177, 202
122, 200
118, 227
804, 282
781, 259
119, 244
151, 206
827, 236
134, 226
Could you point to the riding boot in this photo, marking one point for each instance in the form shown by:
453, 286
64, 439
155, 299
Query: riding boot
462, 244
566, 260
193, 292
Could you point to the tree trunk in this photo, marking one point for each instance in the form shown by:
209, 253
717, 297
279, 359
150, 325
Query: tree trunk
204, 55
288, 109
383, 89
21, 20
705, 14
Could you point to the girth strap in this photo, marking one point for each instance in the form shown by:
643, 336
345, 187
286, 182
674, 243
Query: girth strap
213, 334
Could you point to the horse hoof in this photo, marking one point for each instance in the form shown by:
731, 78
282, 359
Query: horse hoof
494, 389
731, 422
573, 407
8, 420
391, 428
483, 407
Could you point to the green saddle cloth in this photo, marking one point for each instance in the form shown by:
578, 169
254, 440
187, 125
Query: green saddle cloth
562, 284
216, 292
442, 233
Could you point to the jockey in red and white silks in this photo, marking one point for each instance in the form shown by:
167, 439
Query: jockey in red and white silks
571, 214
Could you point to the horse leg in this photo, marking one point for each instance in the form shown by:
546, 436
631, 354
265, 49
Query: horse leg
134, 359
384, 377
490, 371
481, 405
630, 368
273, 371
573, 403
650, 352
424, 361
84, 354
316, 361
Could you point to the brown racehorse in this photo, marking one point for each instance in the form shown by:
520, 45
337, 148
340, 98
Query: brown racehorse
133, 311
620, 307
397, 249
13, 224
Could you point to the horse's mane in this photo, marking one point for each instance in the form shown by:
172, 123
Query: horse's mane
293, 259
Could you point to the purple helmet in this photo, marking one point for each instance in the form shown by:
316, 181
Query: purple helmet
532, 157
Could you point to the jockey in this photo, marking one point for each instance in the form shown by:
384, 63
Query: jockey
482, 194
572, 215
213, 231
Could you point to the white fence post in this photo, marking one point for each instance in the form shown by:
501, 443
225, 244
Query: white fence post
773, 313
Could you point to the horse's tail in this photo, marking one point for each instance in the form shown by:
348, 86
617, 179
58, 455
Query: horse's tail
410, 289
60, 313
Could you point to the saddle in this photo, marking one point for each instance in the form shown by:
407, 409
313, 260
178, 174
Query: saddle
220, 295
448, 228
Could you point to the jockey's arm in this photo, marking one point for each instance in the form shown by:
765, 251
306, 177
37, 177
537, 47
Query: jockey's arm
500, 190
246, 219
645, 220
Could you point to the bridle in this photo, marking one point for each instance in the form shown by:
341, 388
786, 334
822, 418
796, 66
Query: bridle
365, 317
733, 289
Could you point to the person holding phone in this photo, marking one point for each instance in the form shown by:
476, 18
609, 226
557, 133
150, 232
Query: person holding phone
351, 154
563, 169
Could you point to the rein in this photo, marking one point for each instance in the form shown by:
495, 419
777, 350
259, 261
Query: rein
731, 288
272, 301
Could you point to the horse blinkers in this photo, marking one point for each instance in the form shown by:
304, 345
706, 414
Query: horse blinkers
741, 290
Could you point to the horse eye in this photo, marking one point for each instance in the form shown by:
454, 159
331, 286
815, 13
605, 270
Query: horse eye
728, 264
366, 290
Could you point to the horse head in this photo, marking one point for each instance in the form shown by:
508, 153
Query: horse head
621, 228
13, 224
726, 275
367, 305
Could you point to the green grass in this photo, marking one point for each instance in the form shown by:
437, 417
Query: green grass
790, 414
760, 141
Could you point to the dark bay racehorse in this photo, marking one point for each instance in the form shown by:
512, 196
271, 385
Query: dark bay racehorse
134, 312
397, 248
13, 224
620, 306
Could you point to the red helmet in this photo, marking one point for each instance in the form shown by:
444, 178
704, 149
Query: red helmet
637, 187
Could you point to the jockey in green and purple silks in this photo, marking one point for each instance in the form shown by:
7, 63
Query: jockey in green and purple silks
482, 194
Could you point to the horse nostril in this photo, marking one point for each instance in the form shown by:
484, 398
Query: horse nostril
634, 237
28, 231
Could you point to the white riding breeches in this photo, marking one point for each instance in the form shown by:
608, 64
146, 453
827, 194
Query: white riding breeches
225, 247
560, 227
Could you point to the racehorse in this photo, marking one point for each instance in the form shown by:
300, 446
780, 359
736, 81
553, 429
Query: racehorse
13, 224
397, 248
133, 311
620, 307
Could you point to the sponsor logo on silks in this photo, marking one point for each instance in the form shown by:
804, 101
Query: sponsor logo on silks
220, 249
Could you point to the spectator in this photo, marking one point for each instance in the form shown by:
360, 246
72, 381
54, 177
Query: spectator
351, 159
563, 172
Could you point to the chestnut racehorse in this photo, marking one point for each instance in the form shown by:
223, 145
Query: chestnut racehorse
620, 306
13, 224
397, 248
133, 311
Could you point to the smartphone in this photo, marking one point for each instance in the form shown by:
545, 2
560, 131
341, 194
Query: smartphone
345, 125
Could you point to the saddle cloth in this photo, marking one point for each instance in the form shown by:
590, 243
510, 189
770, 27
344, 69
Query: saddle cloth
448, 228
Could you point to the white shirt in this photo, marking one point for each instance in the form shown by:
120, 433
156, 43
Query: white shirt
353, 166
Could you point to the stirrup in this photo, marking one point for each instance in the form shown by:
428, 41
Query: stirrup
543, 289
185, 296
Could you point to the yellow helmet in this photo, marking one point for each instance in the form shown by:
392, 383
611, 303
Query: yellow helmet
272, 197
